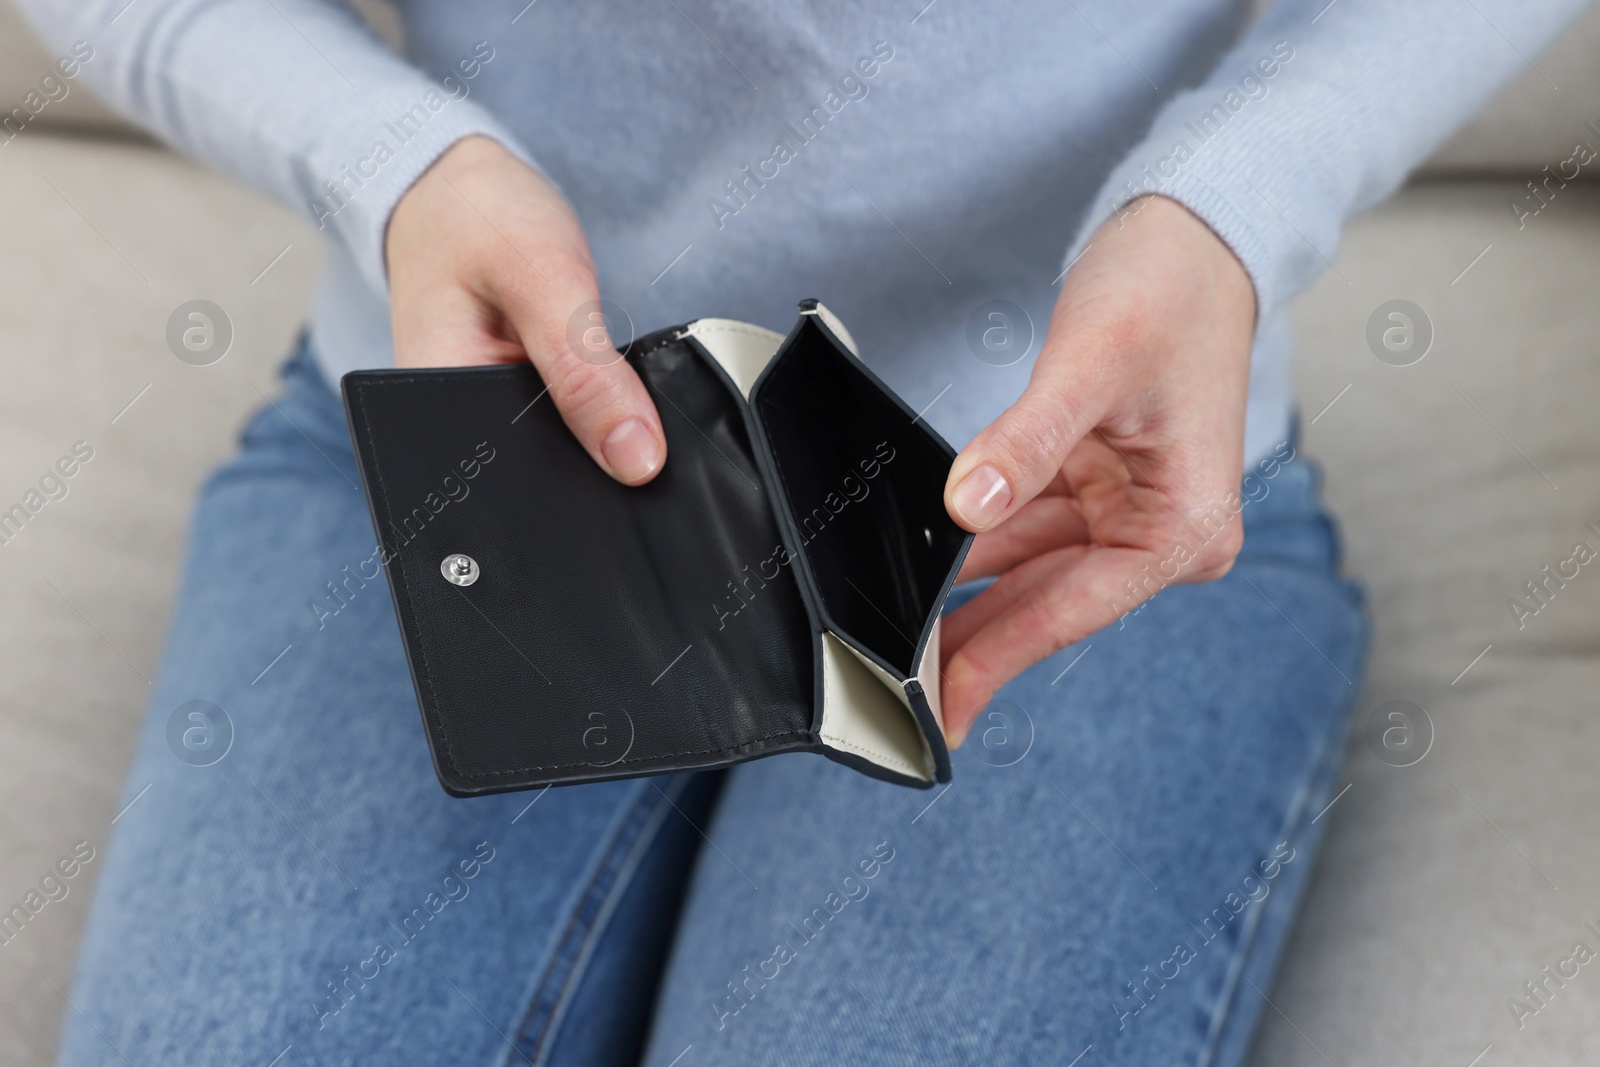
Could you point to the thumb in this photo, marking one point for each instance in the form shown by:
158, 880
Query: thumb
1018, 454
602, 400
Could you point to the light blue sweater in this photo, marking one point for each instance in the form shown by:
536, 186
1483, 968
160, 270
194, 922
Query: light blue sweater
908, 164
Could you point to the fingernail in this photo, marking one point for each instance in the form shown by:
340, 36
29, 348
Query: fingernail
981, 497
632, 451
953, 740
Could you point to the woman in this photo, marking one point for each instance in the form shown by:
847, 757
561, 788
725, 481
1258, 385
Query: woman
1114, 871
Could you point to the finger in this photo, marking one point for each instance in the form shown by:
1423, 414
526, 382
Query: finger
446, 325
556, 316
1019, 455
1074, 601
1043, 524
959, 626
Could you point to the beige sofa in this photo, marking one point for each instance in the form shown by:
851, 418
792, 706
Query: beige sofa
1446, 884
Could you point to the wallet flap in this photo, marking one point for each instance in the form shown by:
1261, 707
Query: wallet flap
606, 631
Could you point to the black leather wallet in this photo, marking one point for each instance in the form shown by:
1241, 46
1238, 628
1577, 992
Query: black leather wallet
776, 588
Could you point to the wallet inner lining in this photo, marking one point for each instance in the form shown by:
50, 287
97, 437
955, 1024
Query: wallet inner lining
865, 710
861, 715
865, 486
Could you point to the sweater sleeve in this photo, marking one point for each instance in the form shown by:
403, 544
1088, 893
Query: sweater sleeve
1318, 114
298, 98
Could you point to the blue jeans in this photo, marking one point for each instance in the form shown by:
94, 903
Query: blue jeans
1114, 868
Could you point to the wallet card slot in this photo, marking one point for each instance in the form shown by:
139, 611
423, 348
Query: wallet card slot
740, 348
862, 478
865, 715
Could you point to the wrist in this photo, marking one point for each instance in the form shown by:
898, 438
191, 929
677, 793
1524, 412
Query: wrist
457, 172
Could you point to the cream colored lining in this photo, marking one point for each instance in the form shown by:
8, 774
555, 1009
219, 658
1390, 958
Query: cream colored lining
865, 713
865, 710
743, 349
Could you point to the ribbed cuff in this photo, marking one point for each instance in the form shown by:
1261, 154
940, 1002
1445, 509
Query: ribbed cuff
359, 214
1231, 221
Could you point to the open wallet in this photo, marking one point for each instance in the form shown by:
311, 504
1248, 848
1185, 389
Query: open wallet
776, 587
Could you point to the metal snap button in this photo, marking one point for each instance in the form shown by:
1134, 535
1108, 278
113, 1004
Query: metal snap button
459, 569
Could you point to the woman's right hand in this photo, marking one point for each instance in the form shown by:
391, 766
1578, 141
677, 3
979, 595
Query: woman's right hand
487, 264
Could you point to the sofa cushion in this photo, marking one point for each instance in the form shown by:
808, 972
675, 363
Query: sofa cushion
1448, 883
1539, 117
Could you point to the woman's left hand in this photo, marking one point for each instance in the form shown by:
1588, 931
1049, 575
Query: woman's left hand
1117, 472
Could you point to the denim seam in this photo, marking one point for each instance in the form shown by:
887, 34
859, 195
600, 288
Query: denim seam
1328, 764
581, 916
586, 919
1234, 976
613, 899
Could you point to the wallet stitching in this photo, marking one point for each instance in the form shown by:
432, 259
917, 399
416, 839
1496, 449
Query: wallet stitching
400, 379
746, 746
749, 331
662, 343
422, 646
880, 757
427, 674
